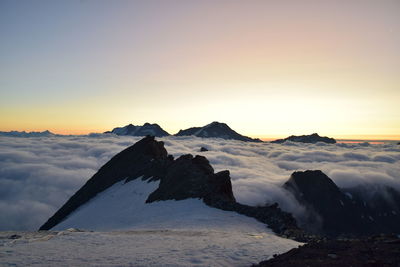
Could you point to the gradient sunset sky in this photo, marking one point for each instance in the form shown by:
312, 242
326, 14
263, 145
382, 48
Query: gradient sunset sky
266, 68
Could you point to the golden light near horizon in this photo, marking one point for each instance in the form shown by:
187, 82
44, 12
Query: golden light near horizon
266, 68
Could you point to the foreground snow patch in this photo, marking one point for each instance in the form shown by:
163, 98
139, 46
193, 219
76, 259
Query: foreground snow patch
140, 248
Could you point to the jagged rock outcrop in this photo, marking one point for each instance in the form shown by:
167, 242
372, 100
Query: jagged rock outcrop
193, 177
143, 130
312, 138
333, 211
217, 130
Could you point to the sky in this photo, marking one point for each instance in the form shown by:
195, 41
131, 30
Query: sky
266, 68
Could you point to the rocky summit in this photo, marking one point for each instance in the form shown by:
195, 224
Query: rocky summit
312, 138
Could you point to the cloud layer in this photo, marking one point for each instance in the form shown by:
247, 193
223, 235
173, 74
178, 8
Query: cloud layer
37, 175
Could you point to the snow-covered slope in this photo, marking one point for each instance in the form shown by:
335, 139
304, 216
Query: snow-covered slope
122, 206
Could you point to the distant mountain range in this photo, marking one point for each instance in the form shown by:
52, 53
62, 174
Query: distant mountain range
27, 134
212, 130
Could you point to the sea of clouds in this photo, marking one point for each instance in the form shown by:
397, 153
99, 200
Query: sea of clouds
39, 174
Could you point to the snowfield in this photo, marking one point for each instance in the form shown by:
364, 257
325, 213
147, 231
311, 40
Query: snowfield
203, 247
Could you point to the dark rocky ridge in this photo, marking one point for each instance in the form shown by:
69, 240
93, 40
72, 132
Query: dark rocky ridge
333, 211
216, 129
376, 251
144, 130
185, 177
312, 138
145, 158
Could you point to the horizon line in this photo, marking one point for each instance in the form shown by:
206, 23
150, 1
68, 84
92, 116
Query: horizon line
341, 137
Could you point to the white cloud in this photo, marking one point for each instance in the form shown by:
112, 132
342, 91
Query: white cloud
37, 175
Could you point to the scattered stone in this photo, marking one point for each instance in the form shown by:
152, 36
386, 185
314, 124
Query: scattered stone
203, 149
74, 230
15, 236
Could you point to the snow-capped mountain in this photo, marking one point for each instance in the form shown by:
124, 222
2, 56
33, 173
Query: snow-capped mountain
143, 130
312, 138
144, 205
145, 173
216, 129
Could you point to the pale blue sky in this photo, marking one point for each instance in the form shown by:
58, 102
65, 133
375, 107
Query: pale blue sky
267, 68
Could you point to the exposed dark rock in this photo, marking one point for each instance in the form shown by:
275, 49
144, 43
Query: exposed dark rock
193, 177
203, 149
368, 252
279, 221
333, 211
218, 130
312, 138
14, 236
145, 129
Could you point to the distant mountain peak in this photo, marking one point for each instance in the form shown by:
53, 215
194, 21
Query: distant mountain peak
146, 129
215, 130
312, 138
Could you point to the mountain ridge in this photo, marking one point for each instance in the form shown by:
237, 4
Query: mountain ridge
312, 138
216, 129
